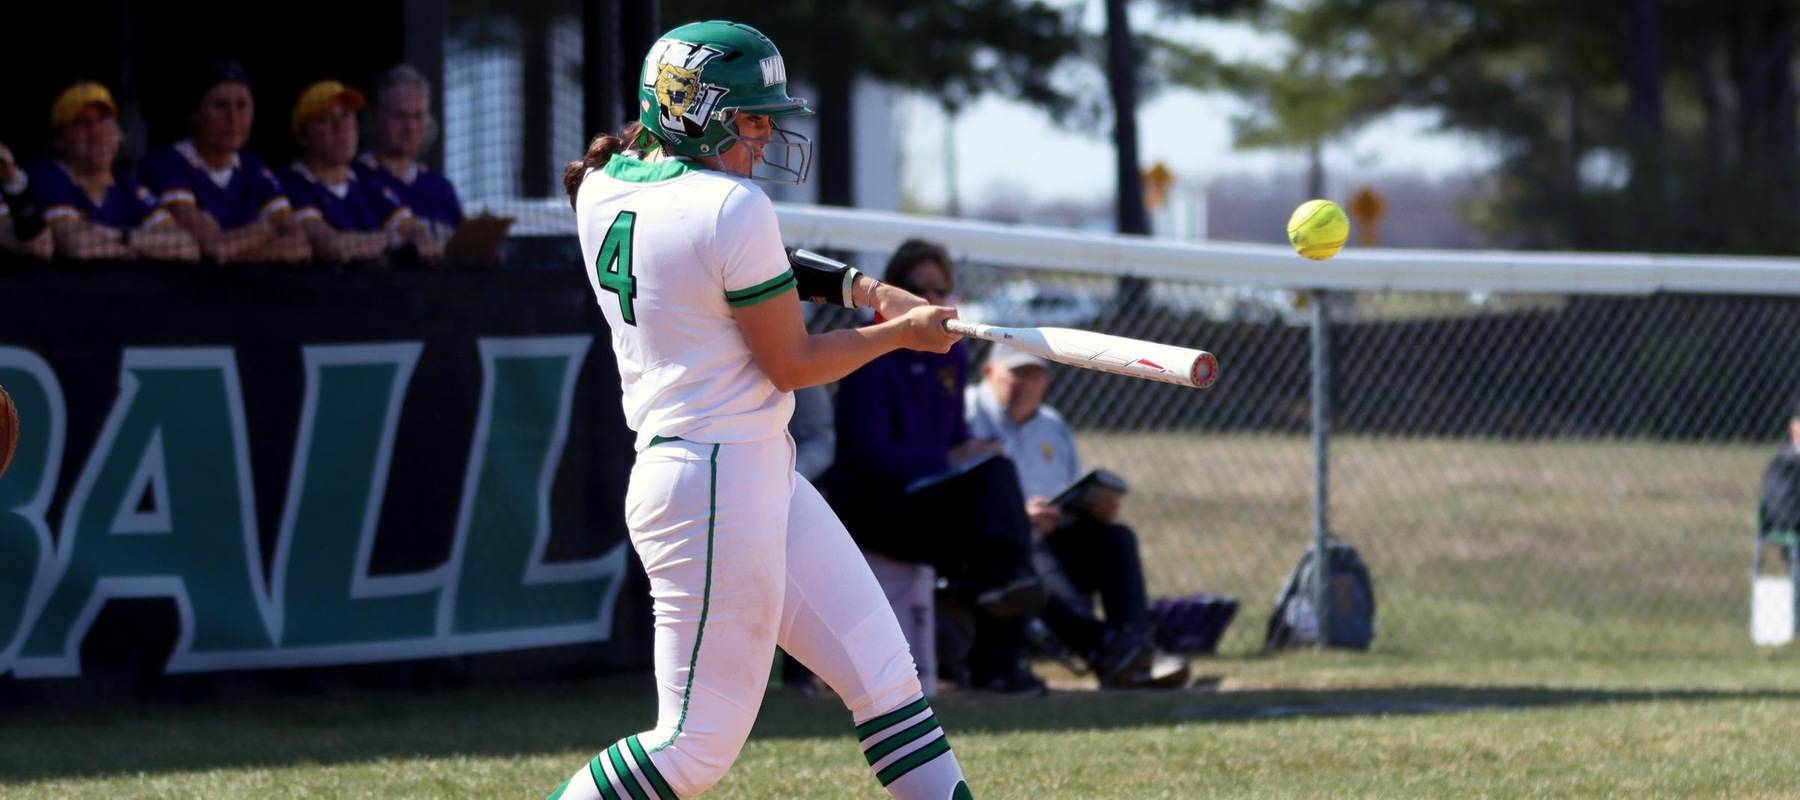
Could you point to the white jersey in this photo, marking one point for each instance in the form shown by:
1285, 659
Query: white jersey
670, 249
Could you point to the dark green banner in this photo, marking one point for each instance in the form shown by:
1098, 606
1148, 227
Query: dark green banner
312, 467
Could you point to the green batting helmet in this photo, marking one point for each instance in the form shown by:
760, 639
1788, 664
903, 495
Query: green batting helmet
698, 76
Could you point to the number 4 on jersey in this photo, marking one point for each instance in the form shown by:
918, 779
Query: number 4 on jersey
612, 267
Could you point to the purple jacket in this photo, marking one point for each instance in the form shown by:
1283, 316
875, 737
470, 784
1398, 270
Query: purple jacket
897, 418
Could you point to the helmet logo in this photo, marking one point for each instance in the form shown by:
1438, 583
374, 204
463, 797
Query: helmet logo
673, 72
774, 71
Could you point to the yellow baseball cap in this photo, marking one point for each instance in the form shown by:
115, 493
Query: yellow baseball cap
69, 104
319, 97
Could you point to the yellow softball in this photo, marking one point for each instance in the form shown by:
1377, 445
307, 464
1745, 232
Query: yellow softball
1318, 229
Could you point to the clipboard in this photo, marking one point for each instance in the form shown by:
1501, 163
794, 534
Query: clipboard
936, 478
1089, 488
478, 238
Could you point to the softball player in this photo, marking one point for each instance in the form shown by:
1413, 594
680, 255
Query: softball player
686, 260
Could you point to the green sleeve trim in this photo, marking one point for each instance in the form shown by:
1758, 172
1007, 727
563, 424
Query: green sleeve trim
762, 291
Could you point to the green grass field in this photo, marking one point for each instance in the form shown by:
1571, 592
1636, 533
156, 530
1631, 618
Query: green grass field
1557, 620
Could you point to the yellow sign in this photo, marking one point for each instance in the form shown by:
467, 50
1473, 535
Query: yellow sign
1157, 180
1367, 206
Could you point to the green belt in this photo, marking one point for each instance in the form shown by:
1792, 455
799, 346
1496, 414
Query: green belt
656, 440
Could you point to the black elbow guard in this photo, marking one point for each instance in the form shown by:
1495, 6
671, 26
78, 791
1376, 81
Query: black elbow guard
823, 280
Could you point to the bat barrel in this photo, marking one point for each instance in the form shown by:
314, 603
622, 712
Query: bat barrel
1103, 352
1205, 371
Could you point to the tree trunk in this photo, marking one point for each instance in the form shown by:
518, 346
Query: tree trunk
1648, 196
1121, 73
1707, 235
1315, 169
1762, 53
952, 192
836, 148
1573, 134
605, 70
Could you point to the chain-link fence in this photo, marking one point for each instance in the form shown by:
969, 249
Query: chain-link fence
1541, 472
1536, 473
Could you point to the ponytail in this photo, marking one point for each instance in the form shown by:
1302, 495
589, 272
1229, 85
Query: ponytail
600, 151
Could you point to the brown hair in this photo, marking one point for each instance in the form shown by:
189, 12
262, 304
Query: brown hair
912, 253
382, 96
599, 151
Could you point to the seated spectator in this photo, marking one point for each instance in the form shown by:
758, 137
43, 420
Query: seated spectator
900, 421
1780, 504
94, 208
346, 218
219, 192
400, 129
1081, 551
24, 233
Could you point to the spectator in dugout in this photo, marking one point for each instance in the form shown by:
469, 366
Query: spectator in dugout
94, 208
400, 128
912, 484
1780, 503
346, 218
215, 188
23, 232
1081, 550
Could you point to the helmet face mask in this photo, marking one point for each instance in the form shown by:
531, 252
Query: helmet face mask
785, 156
698, 77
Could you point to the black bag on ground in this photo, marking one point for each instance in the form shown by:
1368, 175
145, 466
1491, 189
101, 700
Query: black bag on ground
1192, 625
1294, 622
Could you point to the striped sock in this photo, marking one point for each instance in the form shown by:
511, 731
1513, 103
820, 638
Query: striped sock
622, 771
910, 754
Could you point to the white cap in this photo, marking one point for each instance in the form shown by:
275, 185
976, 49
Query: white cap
1006, 357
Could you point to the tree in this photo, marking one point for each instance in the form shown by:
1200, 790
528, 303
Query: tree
954, 50
1123, 80
1631, 124
1315, 95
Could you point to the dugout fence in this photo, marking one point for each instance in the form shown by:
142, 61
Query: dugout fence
1535, 452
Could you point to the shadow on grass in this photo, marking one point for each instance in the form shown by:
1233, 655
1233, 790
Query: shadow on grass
338, 725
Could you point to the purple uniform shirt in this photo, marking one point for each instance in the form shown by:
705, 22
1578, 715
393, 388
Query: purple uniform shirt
237, 196
362, 205
430, 195
897, 418
126, 204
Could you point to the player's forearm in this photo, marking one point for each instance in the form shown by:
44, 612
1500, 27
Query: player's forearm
241, 243
167, 244
889, 301
84, 240
829, 356
345, 246
217, 244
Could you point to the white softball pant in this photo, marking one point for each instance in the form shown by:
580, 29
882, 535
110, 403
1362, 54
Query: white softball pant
744, 555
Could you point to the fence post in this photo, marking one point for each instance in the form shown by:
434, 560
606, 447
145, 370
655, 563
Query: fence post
1321, 435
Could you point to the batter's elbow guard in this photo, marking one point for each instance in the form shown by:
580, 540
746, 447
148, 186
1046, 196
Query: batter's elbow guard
823, 280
